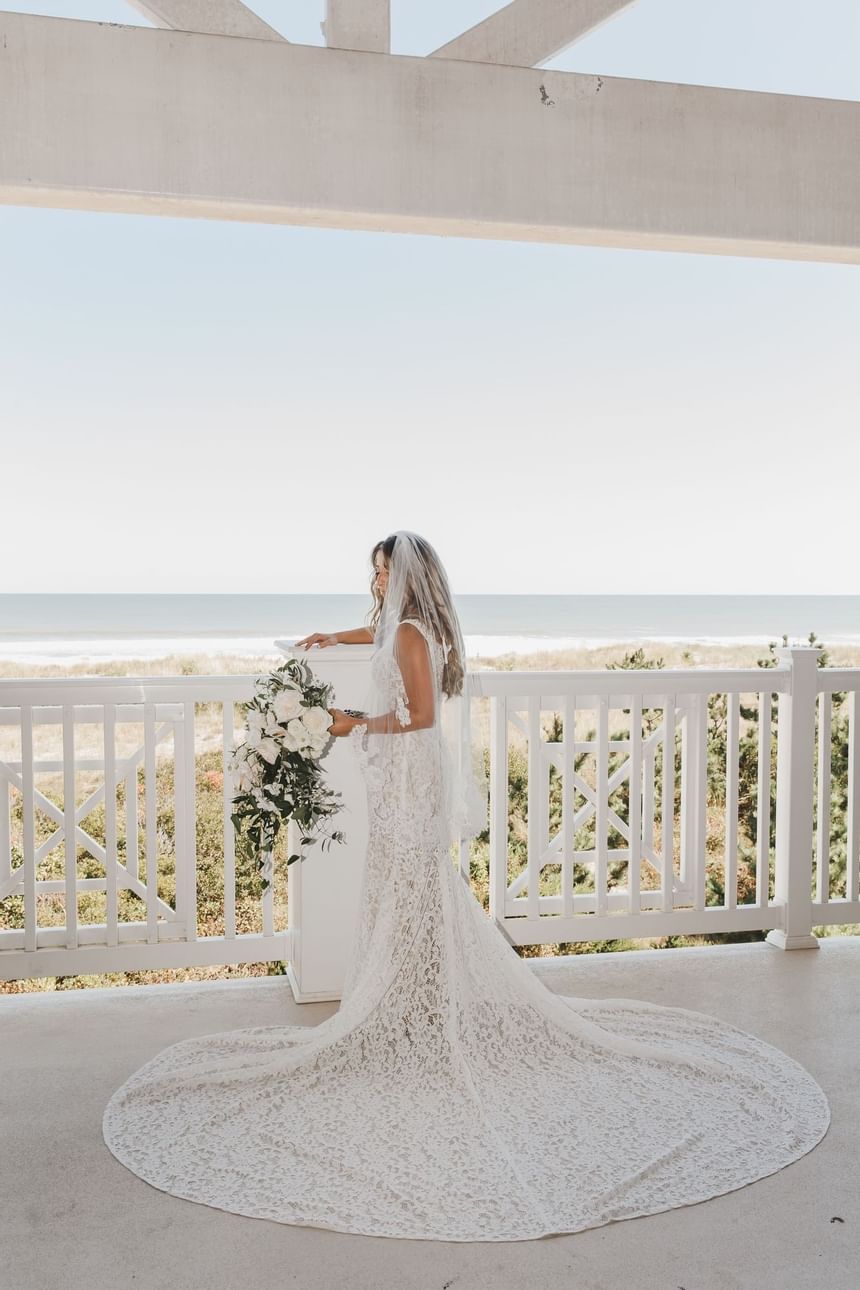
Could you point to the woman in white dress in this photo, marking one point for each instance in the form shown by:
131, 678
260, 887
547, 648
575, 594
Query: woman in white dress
453, 1096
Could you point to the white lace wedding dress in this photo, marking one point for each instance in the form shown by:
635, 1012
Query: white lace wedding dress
453, 1096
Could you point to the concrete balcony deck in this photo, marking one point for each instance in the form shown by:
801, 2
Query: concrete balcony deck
74, 1217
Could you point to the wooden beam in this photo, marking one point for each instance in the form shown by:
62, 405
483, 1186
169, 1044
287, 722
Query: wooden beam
95, 116
212, 17
358, 24
527, 33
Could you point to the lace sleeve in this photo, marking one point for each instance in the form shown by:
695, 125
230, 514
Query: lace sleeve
358, 739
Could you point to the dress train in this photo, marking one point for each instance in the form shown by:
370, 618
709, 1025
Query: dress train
453, 1096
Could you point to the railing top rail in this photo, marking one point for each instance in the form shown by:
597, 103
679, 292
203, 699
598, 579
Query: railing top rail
622, 682
124, 689
831, 679
614, 682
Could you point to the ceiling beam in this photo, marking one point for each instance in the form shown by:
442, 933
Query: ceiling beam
528, 33
101, 117
212, 17
358, 24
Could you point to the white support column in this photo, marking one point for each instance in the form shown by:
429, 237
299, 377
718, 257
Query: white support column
323, 889
795, 759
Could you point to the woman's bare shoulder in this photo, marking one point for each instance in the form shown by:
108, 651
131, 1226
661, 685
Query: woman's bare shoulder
409, 630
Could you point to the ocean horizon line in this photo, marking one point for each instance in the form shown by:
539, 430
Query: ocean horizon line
72, 627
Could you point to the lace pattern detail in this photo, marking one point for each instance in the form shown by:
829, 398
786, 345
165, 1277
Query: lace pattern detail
453, 1096
401, 703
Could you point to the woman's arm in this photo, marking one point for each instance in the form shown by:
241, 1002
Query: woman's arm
413, 658
355, 636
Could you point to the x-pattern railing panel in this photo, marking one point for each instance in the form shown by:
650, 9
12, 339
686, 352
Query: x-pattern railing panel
630, 758
143, 749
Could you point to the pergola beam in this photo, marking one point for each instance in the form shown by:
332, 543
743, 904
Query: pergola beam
95, 116
358, 24
527, 33
213, 17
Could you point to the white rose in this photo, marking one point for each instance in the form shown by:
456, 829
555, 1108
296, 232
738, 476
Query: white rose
287, 704
294, 740
256, 729
297, 730
268, 749
317, 720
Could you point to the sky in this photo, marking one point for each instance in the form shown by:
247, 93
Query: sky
190, 405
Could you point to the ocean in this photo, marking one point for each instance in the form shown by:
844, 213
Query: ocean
79, 628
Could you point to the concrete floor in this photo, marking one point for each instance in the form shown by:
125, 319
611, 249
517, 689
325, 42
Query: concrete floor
74, 1217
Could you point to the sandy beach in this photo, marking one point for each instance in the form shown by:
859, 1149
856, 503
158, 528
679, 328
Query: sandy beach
637, 653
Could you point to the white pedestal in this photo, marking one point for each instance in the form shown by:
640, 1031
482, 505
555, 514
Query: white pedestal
323, 889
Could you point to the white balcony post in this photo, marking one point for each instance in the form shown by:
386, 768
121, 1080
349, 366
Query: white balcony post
794, 796
323, 889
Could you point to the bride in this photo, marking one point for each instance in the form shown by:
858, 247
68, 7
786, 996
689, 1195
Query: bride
453, 1096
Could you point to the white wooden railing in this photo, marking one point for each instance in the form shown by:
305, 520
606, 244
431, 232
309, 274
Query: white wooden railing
676, 899
107, 729
151, 716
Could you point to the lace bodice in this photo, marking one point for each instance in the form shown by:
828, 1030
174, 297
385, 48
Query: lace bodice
407, 779
387, 674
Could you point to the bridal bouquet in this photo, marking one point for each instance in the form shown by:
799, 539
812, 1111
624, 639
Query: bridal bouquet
277, 765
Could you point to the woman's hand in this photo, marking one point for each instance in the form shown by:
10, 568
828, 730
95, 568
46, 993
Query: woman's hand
318, 638
342, 724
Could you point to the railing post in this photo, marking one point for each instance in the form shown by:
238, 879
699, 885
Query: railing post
694, 801
498, 808
795, 766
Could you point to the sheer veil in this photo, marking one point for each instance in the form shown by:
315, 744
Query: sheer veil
418, 591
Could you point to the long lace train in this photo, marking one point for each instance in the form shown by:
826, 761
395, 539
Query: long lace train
453, 1096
